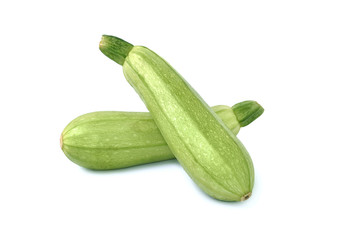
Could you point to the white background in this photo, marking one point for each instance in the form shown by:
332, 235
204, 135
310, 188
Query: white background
301, 60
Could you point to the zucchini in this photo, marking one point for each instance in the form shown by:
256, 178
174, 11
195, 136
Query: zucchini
112, 140
208, 151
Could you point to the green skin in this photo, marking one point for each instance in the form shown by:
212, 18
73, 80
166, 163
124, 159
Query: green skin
113, 140
208, 151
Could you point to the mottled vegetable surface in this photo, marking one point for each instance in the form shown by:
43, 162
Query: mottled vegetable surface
111, 140
208, 151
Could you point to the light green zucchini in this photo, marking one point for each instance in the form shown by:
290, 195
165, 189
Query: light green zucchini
208, 151
112, 140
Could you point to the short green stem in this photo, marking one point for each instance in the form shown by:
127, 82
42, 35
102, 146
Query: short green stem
247, 111
115, 48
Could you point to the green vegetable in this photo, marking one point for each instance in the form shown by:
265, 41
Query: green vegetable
111, 140
208, 151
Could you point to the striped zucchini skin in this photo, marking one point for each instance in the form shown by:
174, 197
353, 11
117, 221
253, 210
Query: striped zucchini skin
112, 140
208, 151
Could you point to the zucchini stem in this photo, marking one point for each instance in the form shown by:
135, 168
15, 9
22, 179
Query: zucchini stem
246, 112
115, 48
